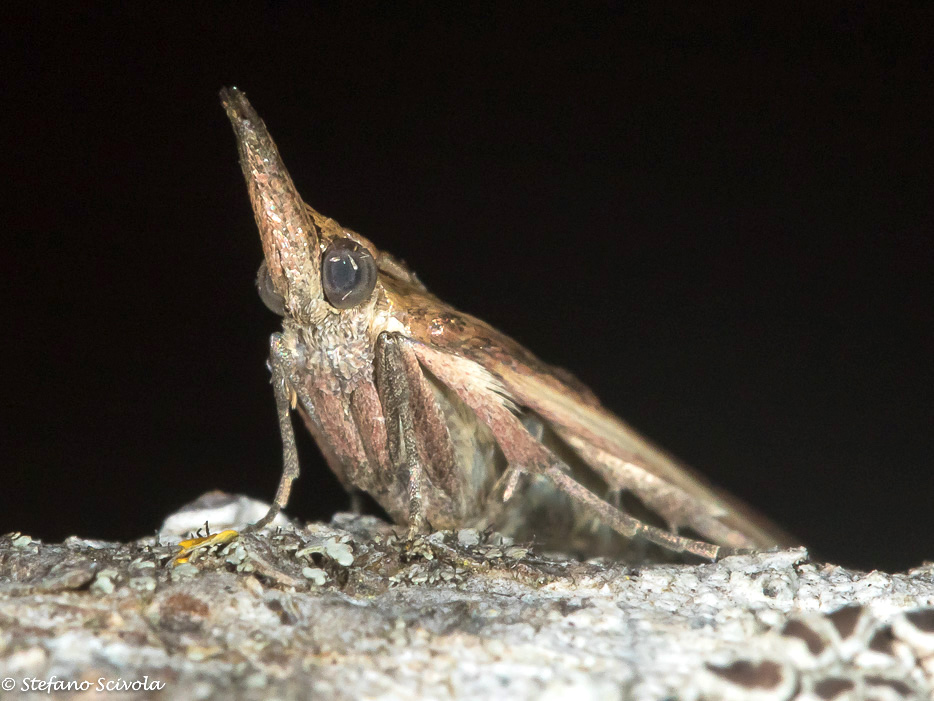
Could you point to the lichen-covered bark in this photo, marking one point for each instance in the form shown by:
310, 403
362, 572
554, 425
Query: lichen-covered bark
351, 610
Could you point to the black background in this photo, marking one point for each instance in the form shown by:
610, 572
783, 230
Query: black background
718, 219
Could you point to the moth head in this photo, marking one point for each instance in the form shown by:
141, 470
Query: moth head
348, 274
313, 267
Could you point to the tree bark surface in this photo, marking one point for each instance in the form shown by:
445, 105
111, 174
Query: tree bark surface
353, 610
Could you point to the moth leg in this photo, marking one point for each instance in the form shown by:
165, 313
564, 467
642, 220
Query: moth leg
509, 481
674, 505
626, 525
483, 394
396, 398
279, 358
502, 491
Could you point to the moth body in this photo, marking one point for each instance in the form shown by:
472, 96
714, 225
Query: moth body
446, 422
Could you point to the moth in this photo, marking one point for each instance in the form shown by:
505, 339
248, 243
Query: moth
446, 422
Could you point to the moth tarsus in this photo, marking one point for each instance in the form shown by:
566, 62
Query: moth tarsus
446, 422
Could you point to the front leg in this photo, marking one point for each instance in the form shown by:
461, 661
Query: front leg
280, 365
393, 364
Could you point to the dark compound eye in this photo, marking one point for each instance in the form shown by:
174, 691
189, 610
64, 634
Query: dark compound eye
272, 299
348, 273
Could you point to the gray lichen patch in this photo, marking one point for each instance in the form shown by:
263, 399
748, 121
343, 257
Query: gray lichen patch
353, 609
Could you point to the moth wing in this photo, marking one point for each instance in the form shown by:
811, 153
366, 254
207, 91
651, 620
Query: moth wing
622, 457
628, 461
